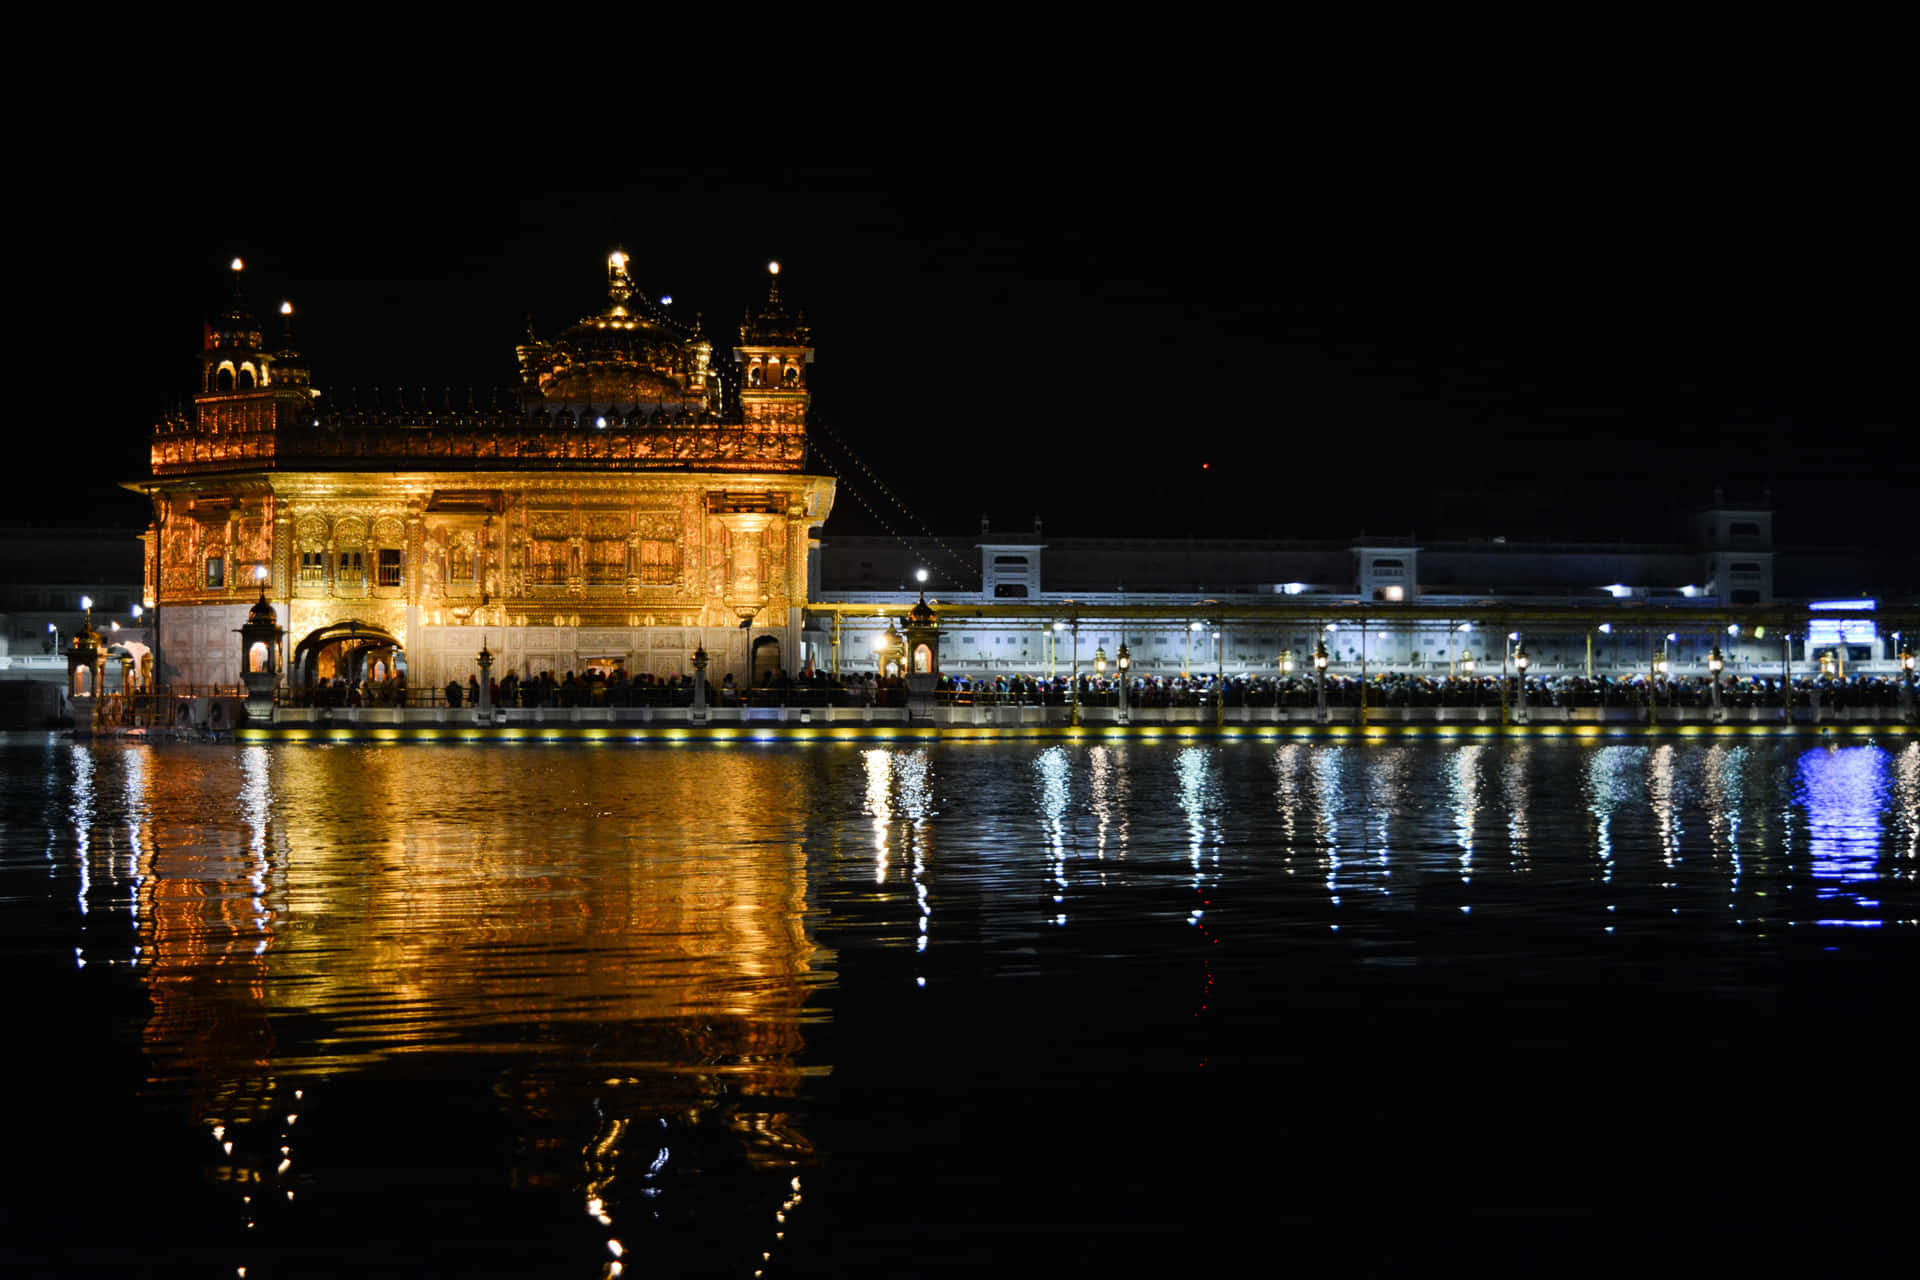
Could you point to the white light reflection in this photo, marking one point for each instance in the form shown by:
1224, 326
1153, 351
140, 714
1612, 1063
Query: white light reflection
1612, 784
1664, 795
1517, 781
1723, 795
1845, 791
80, 813
134, 789
1327, 799
1108, 800
1055, 795
1463, 794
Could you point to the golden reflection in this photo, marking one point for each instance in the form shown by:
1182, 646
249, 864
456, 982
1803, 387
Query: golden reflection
657, 928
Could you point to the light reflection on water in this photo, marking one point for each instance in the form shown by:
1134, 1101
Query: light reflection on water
632, 952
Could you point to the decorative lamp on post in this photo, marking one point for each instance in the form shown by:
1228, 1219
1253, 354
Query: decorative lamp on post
888, 649
1715, 663
484, 660
920, 652
84, 659
1320, 678
260, 653
1520, 661
1907, 680
1466, 669
699, 711
1124, 663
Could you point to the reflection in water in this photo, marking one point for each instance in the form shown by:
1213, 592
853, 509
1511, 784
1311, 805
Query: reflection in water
608, 959
1844, 792
1055, 786
1613, 786
1514, 781
1463, 791
633, 980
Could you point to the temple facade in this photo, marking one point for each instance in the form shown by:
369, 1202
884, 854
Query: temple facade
623, 507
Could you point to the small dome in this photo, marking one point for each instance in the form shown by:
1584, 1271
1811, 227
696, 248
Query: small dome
920, 615
262, 615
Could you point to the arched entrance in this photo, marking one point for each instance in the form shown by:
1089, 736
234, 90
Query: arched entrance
766, 660
350, 653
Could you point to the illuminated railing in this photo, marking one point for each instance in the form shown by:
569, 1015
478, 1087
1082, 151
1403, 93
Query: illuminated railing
506, 443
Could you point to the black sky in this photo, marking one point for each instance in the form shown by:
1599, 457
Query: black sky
1533, 282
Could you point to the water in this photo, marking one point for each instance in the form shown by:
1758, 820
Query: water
829, 1009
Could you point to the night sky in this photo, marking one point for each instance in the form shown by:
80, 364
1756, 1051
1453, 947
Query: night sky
1273, 280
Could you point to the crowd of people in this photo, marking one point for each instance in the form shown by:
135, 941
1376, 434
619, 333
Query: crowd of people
1383, 689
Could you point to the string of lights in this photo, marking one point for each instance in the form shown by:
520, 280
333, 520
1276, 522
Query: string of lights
966, 568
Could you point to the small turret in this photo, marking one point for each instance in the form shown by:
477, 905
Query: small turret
773, 356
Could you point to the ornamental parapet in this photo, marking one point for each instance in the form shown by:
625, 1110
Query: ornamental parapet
538, 442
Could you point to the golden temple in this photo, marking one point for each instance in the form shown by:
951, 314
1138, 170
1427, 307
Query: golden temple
623, 507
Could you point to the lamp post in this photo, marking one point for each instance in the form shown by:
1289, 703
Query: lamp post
1073, 675
1906, 680
1320, 672
1466, 669
1520, 664
1125, 663
1219, 681
698, 713
1714, 663
484, 660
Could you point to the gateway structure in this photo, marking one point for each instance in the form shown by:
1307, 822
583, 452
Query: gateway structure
624, 507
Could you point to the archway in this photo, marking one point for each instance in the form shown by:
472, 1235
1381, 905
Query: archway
766, 660
350, 652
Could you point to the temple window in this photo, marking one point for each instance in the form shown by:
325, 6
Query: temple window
245, 380
754, 376
389, 566
223, 379
350, 569
791, 376
216, 571
313, 568
607, 560
659, 563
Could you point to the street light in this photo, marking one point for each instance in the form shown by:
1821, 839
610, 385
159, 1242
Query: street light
1125, 662
1520, 661
1320, 672
1714, 663
1466, 669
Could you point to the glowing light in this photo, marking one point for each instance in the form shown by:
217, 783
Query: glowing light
86, 602
260, 573
666, 299
286, 308
919, 575
773, 268
237, 265
617, 260
615, 1248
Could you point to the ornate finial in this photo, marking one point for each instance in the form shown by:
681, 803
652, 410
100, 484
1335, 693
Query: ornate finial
619, 283
773, 286
236, 266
